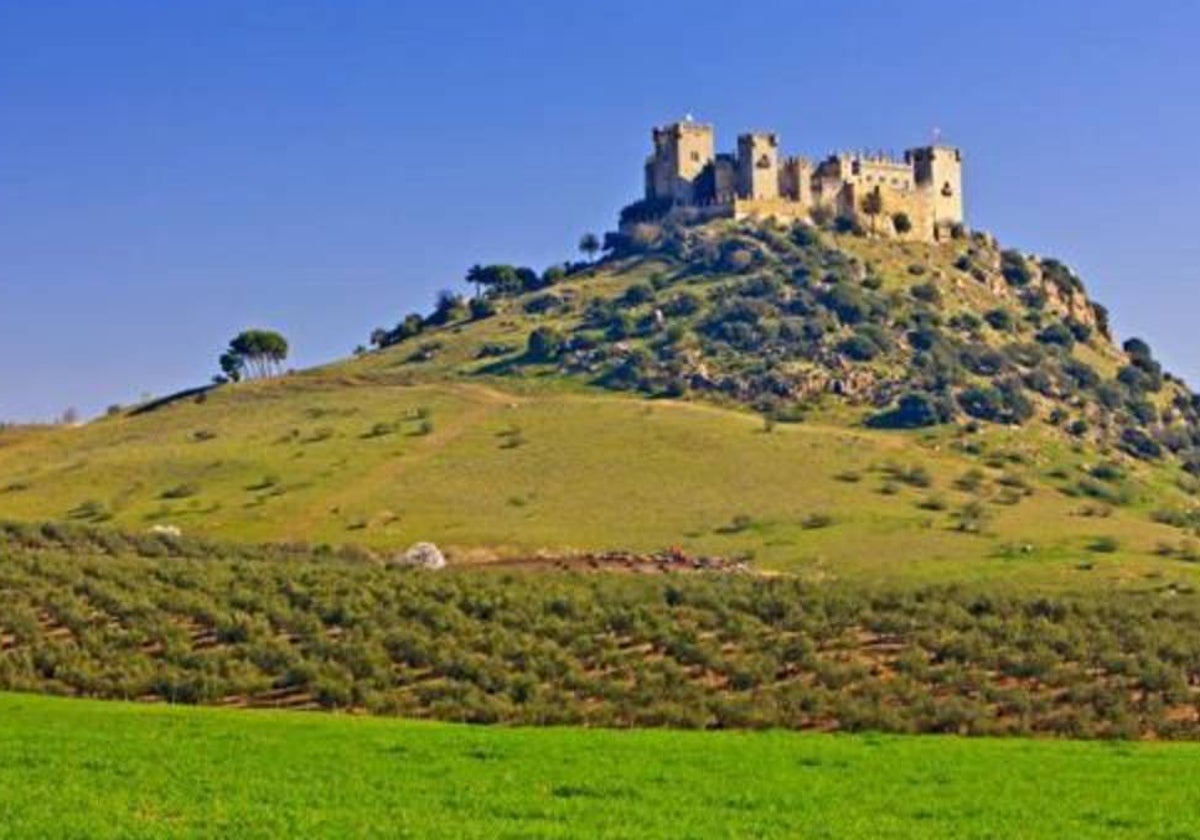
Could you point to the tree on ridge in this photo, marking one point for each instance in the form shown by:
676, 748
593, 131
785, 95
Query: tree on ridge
254, 354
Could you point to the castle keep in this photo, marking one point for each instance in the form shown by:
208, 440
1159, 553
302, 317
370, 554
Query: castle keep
916, 197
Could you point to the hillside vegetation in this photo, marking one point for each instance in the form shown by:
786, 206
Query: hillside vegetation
91, 613
811, 401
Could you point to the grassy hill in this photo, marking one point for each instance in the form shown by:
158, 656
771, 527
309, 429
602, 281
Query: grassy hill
734, 390
80, 768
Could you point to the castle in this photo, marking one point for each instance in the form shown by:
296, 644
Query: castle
918, 197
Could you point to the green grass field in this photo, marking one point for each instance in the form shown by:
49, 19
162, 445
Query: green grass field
73, 768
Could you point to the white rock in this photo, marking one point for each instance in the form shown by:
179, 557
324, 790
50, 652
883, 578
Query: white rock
423, 555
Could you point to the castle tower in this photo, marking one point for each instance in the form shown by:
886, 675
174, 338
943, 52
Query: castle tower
758, 166
795, 180
938, 169
682, 150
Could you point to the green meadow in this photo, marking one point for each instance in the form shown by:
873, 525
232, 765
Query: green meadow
108, 770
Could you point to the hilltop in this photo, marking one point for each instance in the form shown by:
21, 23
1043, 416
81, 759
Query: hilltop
809, 399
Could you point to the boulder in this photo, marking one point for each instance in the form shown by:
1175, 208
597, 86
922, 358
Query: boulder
422, 555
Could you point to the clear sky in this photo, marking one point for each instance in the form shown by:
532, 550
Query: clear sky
173, 172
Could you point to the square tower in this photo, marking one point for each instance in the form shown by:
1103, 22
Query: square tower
938, 169
795, 180
682, 151
758, 166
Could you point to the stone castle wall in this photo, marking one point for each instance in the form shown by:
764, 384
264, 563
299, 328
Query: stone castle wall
925, 185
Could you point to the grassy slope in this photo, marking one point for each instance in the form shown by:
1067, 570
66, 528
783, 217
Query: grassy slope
80, 768
296, 459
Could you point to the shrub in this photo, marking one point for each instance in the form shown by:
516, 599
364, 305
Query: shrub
1062, 277
449, 307
1116, 496
1109, 395
1139, 444
927, 292
999, 319
858, 347
971, 518
637, 294
493, 349
1108, 471
1081, 373
180, 491
821, 215
916, 476
90, 509
803, 235
1140, 380
924, 338
1058, 334
481, 308
902, 223
1104, 545
1035, 299
545, 344
1040, 381
847, 302
983, 360
1080, 330
848, 224
738, 259
741, 522
934, 503
1144, 411
915, 410
1136, 348
816, 520
970, 481
376, 431
982, 402
683, 304
1025, 354
1014, 268
543, 303
965, 321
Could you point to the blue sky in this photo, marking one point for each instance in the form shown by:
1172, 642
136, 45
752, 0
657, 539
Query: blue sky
173, 172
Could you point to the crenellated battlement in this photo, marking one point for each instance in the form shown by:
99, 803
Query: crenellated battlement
917, 195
